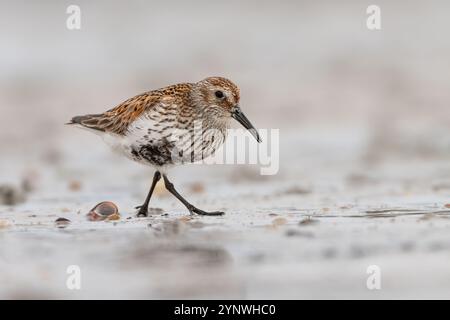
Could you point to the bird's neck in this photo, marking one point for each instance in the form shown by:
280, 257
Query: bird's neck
209, 120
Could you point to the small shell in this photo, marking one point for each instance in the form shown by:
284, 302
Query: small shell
104, 210
62, 222
113, 217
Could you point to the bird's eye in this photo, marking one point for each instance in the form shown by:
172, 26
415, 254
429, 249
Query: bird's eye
219, 94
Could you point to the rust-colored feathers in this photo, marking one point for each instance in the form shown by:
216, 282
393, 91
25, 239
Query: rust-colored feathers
117, 120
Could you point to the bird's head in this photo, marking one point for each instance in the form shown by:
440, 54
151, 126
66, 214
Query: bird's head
220, 98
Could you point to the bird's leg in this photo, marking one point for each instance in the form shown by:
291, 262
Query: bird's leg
190, 207
143, 210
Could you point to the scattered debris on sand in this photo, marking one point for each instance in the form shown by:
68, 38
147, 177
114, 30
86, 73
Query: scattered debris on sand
62, 222
30, 181
197, 187
279, 222
298, 233
11, 195
298, 190
4, 224
75, 185
308, 221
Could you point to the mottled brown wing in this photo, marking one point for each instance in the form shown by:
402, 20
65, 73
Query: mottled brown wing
117, 120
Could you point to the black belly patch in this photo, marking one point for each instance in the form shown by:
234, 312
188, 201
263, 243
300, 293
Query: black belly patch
157, 155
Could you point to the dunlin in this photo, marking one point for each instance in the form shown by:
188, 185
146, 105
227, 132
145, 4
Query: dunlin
178, 124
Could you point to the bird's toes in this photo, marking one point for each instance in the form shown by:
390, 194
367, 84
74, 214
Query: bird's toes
205, 213
216, 213
141, 215
141, 212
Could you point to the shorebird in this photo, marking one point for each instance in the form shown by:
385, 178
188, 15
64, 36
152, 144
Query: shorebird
181, 123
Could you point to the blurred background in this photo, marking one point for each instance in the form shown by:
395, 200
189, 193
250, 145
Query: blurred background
303, 67
363, 114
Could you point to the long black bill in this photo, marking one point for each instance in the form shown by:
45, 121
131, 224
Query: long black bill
242, 119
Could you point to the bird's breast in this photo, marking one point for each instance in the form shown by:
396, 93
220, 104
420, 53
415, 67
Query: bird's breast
162, 139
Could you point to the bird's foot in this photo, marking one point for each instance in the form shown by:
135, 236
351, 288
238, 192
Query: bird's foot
143, 212
205, 213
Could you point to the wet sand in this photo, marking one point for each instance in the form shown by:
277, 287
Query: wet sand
309, 232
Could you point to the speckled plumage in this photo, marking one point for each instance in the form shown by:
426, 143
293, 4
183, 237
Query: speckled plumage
148, 128
177, 124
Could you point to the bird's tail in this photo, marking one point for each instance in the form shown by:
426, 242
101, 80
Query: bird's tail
89, 121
